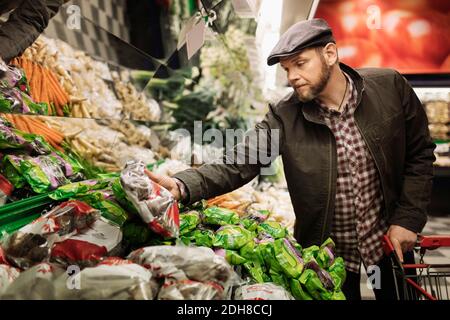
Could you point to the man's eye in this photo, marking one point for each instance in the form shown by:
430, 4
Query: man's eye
300, 64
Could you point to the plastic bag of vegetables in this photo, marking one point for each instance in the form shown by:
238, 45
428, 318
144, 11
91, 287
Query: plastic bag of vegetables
155, 205
220, 216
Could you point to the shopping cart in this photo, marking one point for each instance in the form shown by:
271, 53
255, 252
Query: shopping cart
422, 281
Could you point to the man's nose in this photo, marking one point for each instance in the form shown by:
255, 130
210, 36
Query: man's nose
293, 77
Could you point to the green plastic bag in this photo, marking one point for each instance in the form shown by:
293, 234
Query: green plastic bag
314, 286
273, 228
279, 279
79, 188
288, 258
231, 256
13, 175
42, 173
297, 290
325, 257
232, 237
203, 237
248, 250
265, 251
254, 217
256, 272
189, 221
337, 272
220, 216
338, 295
310, 253
103, 201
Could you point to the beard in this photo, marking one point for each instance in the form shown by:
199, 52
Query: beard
314, 90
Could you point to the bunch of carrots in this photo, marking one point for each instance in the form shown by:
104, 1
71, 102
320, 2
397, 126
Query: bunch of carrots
44, 85
31, 124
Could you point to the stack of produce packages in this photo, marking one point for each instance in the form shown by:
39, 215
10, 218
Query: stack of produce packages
125, 235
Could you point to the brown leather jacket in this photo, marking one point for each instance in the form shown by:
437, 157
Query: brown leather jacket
392, 122
25, 24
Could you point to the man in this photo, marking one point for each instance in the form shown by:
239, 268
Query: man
26, 22
356, 151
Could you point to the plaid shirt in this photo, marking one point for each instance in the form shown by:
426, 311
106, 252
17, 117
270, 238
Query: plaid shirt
358, 226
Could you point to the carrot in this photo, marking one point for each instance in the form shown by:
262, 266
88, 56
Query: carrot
60, 94
39, 125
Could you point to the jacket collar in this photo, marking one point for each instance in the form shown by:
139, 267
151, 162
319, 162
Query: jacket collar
311, 109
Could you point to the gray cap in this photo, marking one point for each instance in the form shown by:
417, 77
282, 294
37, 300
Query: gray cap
302, 35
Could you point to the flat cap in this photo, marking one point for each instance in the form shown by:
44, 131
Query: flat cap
303, 34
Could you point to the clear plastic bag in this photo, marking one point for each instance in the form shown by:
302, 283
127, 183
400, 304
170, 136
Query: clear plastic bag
156, 206
33, 243
112, 279
179, 263
262, 291
190, 290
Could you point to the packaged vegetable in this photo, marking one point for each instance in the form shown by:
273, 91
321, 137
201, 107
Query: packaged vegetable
248, 251
31, 144
204, 237
36, 283
317, 281
265, 251
220, 216
323, 275
185, 263
256, 271
310, 253
311, 282
104, 201
253, 218
297, 290
273, 228
42, 173
191, 290
86, 249
289, 258
189, 221
155, 205
13, 176
337, 272
231, 256
338, 295
79, 188
7, 275
262, 291
279, 279
232, 237
33, 243
325, 256
112, 279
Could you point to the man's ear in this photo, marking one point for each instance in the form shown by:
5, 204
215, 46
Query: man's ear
331, 54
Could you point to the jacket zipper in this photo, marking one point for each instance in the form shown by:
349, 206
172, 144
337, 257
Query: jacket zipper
330, 178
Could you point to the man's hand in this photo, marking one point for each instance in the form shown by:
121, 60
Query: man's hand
167, 182
402, 239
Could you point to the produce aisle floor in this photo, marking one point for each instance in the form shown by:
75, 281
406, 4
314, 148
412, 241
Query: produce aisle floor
434, 226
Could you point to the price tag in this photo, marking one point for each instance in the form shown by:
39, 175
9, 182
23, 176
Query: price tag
195, 38
186, 28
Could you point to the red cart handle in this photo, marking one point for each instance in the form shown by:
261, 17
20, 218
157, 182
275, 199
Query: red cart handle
434, 242
423, 242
